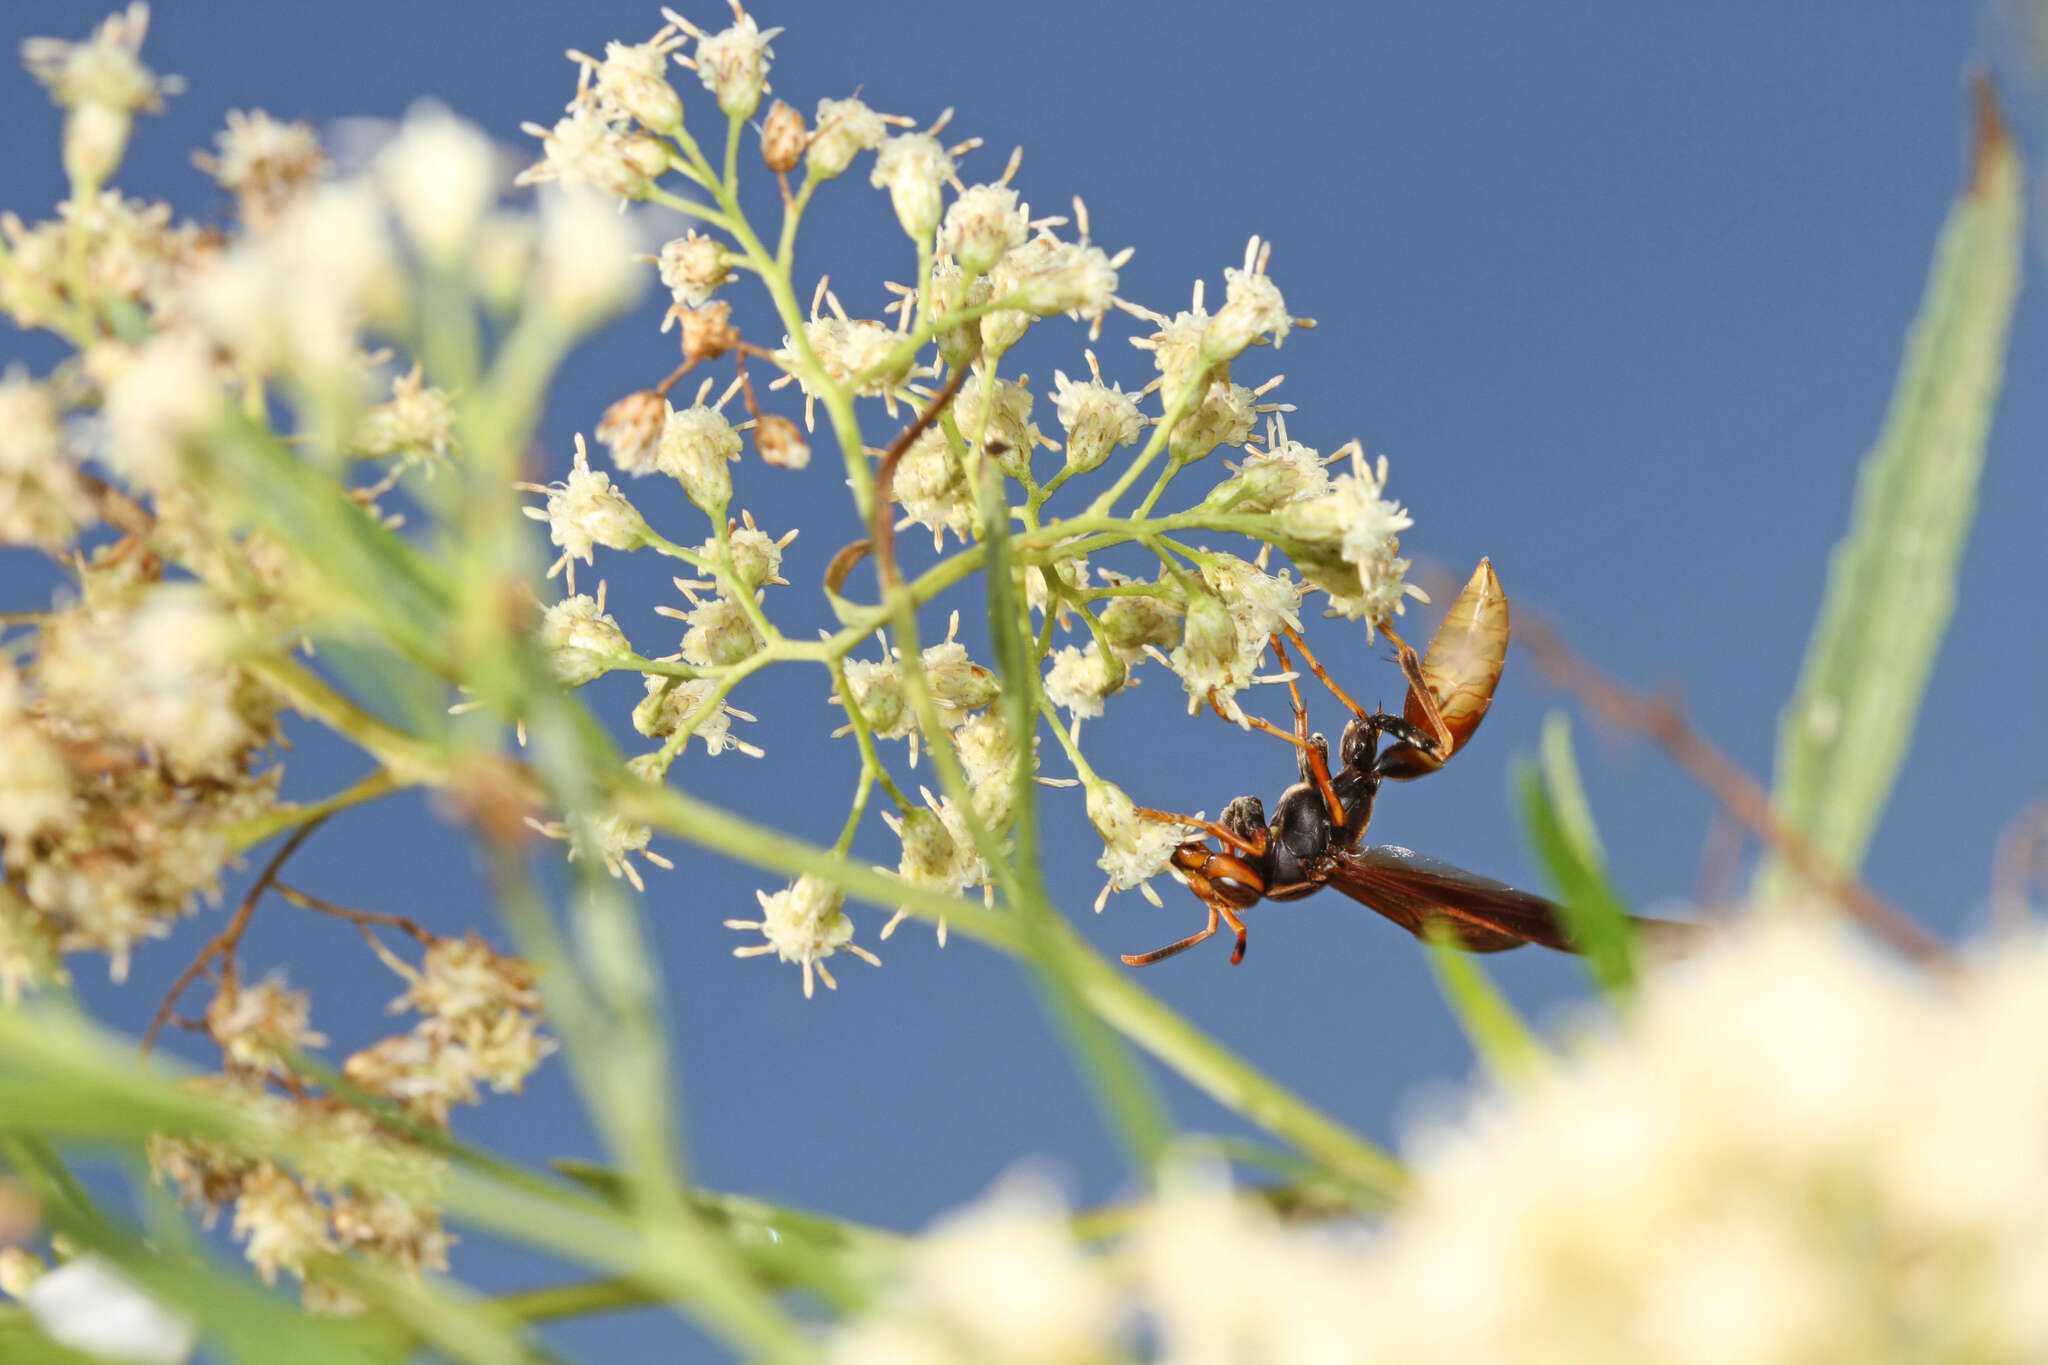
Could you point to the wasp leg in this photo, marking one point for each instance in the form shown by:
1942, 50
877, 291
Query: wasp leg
1317, 669
1237, 953
1315, 757
1174, 949
1252, 848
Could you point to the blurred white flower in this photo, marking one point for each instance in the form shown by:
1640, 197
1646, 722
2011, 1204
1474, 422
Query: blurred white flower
90, 1306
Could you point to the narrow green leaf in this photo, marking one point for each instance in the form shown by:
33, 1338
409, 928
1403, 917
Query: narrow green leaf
1892, 578
1558, 823
1122, 1088
1505, 1044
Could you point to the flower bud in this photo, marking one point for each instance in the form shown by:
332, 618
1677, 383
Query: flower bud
982, 226
781, 442
783, 138
95, 140
930, 856
957, 682
877, 690
843, 130
913, 167
708, 332
733, 64
1131, 623
1098, 418
697, 444
692, 266
579, 641
720, 634
633, 79
1225, 417
631, 429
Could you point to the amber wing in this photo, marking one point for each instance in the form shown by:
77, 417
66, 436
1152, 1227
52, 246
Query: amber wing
1416, 891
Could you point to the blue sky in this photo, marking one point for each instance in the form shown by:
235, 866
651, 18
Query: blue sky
1620, 292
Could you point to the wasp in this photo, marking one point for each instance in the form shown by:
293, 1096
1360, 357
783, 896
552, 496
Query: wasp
1316, 837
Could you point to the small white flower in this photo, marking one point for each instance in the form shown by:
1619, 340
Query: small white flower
584, 269
1351, 540
1252, 309
732, 63
913, 167
165, 395
1047, 276
931, 487
692, 267
1078, 680
842, 130
982, 224
1097, 417
441, 174
1134, 848
804, 923
697, 447
580, 641
632, 81
670, 703
89, 1305
584, 511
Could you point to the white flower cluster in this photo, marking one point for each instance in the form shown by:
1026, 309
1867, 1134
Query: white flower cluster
1790, 1151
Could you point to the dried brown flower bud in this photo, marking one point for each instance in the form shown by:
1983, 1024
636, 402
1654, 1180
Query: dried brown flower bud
784, 138
781, 442
631, 429
708, 332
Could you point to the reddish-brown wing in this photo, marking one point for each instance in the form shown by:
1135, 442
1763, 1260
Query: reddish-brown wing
1416, 891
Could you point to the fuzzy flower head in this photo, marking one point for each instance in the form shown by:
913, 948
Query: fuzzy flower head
441, 175
1079, 679
983, 224
1350, 542
671, 704
843, 130
804, 923
1274, 474
914, 167
264, 163
161, 671
1224, 639
584, 271
256, 1026
692, 267
932, 489
632, 81
1134, 848
102, 84
1046, 276
697, 448
584, 511
587, 147
1002, 1282
1098, 417
416, 424
994, 417
852, 349
1252, 310
733, 62
580, 641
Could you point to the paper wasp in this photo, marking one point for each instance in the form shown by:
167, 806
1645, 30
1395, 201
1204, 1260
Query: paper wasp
1316, 836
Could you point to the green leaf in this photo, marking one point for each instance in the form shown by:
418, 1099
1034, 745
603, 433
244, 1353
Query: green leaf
1892, 578
1505, 1044
1558, 823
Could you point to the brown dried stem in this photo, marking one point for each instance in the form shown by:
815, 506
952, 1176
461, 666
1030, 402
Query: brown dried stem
885, 477
1664, 722
362, 919
224, 944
